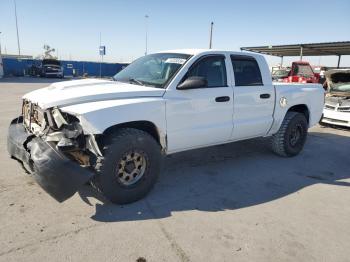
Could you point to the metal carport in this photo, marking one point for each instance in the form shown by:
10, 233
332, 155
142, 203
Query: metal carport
314, 49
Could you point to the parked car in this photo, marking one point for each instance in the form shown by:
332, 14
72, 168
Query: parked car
301, 72
114, 133
46, 68
51, 68
337, 102
279, 74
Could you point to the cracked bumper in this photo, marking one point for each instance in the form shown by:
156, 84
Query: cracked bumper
53, 171
336, 118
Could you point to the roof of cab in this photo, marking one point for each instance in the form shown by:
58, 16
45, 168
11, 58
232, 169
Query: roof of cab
206, 51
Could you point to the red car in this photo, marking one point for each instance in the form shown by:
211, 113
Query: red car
301, 73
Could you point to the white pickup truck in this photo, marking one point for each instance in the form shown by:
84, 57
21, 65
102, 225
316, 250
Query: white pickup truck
114, 133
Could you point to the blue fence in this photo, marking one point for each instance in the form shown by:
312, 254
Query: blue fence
20, 67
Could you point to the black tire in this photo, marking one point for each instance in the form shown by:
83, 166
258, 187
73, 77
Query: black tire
122, 141
291, 137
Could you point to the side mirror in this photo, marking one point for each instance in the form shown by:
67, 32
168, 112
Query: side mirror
193, 82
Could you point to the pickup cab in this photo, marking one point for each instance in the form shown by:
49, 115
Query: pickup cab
114, 133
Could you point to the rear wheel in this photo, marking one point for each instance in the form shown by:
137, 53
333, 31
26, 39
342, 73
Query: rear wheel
291, 137
130, 166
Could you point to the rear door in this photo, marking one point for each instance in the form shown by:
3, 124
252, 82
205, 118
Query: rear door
254, 98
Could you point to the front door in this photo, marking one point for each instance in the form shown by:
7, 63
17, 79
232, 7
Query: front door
202, 116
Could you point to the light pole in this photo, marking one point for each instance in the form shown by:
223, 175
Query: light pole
211, 35
146, 27
101, 57
19, 48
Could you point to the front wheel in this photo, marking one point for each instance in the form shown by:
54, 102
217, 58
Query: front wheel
291, 137
130, 166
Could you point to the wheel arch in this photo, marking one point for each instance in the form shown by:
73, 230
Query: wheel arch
144, 125
301, 108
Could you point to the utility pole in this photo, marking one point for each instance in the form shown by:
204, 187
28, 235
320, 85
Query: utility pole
211, 35
146, 27
18, 45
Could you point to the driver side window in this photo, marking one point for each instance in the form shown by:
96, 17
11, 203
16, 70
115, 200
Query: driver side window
212, 68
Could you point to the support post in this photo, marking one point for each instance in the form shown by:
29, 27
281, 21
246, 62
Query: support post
339, 56
301, 53
281, 62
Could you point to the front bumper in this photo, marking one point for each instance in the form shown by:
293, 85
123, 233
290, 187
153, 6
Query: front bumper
53, 74
336, 118
53, 171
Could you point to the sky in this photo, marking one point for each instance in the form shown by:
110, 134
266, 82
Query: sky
73, 27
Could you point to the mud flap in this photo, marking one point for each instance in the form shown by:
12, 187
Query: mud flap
54, 172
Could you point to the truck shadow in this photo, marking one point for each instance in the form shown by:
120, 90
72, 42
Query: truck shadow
233, 176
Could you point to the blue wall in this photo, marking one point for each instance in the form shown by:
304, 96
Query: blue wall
19, 67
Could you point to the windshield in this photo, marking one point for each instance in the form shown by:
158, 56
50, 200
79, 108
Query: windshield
280, 73
152, 70
303, 70
51, 62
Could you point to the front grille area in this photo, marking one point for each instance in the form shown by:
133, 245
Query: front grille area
344, 109
329, 107
337, 108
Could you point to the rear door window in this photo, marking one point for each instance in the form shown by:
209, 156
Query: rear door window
246, 71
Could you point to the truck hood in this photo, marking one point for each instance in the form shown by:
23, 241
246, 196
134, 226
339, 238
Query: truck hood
88, 90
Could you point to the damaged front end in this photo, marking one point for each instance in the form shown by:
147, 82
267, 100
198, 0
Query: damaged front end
53, 147
337, 102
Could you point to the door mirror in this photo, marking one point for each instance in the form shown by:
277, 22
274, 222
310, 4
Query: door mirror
193, 82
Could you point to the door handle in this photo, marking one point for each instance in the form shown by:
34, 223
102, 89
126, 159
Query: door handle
265, 96
222, 99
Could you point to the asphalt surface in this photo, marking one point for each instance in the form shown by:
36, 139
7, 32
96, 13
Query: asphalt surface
235, 202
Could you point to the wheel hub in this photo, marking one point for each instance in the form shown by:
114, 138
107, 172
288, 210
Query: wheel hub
295, 135
131, 167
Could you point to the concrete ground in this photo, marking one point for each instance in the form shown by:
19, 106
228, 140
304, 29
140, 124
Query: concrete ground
235, 202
